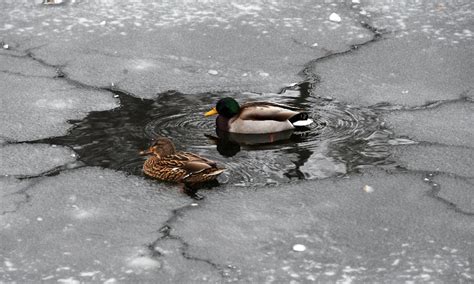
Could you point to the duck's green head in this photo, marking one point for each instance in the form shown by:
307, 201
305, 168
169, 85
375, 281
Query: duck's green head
227, 107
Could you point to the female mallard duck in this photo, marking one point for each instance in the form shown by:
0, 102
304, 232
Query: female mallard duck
257, 117
168, 165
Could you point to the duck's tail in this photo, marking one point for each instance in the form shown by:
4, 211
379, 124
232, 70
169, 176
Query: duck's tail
215, 172
301, 120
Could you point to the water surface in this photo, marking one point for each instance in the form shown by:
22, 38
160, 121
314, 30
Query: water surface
342, 140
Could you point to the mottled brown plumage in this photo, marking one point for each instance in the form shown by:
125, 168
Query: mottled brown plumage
168, 165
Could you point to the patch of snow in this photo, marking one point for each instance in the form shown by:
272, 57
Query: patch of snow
335, 18
299, 247
32, 159
368, 188
69, 280
144, 262
88, 273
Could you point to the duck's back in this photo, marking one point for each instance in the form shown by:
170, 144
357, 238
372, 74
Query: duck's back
267, 111
164, 169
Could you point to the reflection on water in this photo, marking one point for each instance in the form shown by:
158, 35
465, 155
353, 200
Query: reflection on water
254, 139
228, 144
344, 139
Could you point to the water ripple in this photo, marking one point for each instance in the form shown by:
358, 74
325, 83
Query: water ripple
343, 140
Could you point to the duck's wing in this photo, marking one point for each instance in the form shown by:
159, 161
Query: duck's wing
194, 167
267, 111
189, 162
258, 103
197, 158
172, 161
197, 165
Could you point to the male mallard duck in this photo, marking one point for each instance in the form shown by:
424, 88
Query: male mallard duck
257, 117
168, 165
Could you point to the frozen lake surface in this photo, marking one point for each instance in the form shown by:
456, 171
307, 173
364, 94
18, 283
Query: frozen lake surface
380, 189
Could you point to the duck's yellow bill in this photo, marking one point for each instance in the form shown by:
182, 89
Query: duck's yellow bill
213, 111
